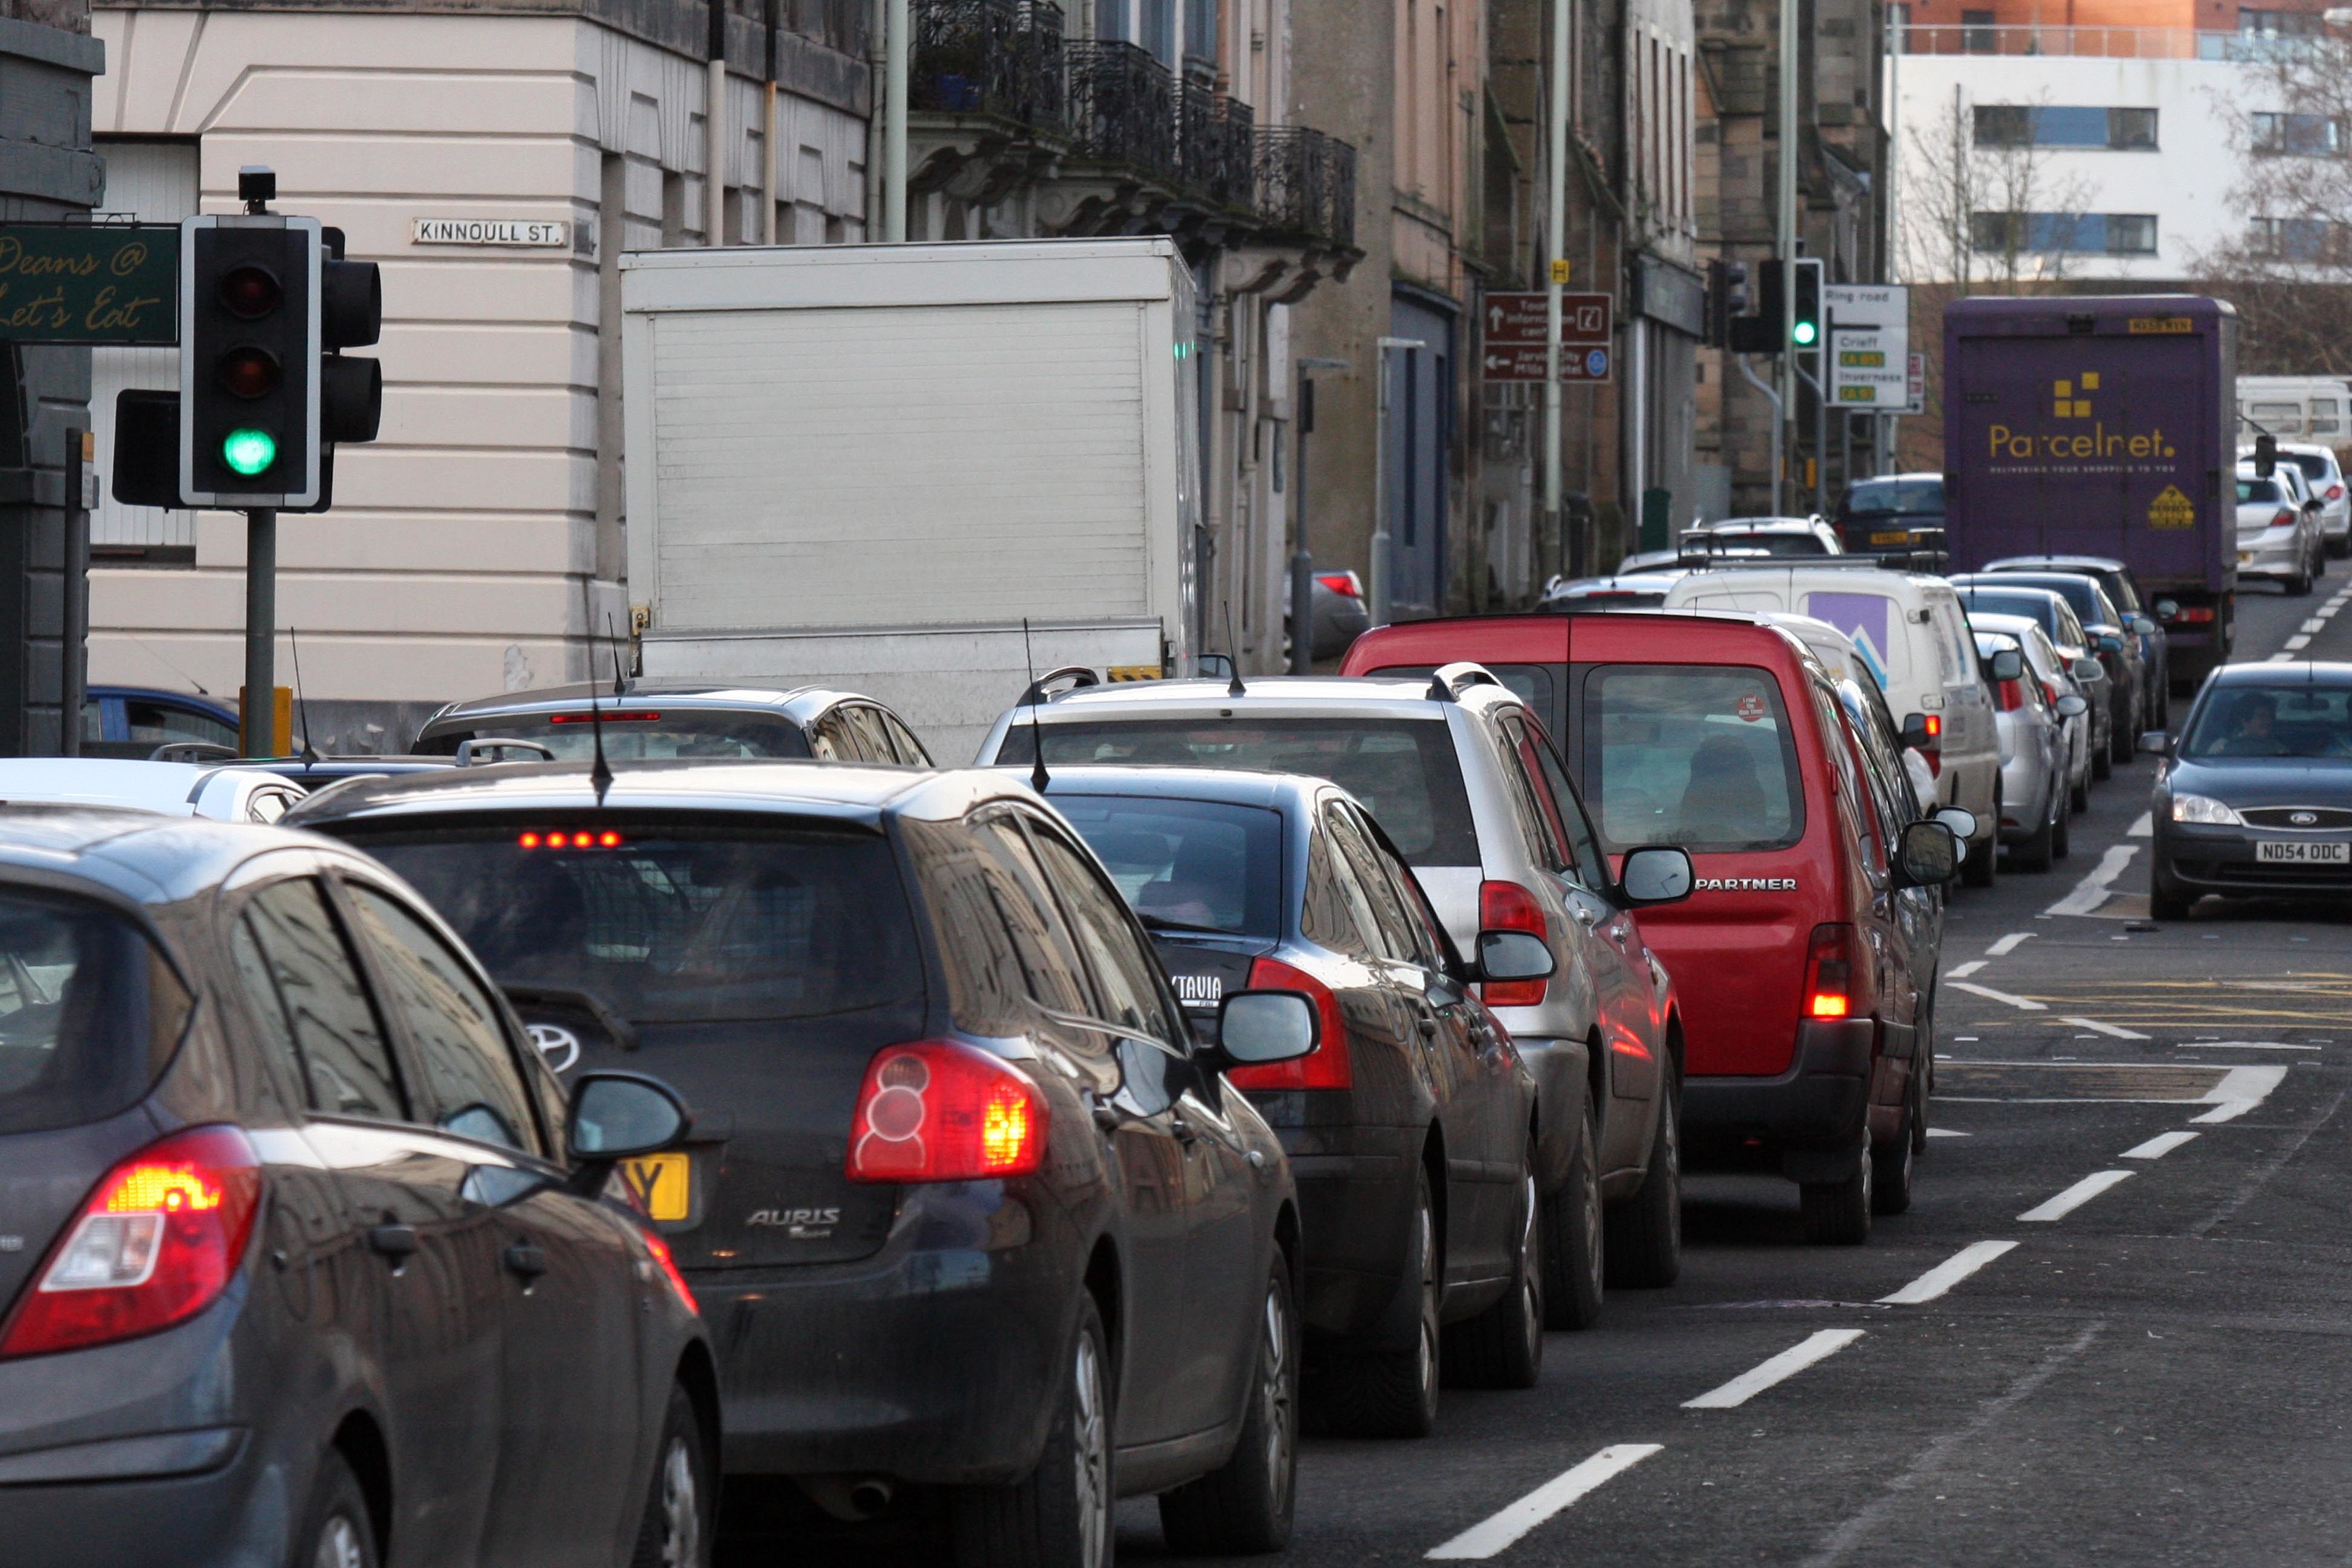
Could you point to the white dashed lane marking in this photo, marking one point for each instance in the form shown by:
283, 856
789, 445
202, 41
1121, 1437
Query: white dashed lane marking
2239, 1090
1501, 1530
2076, 1196
2113, 1031
1779, 1369
2009, 944
2157, 1147
1949, 1273
2098, 887
2022, 1004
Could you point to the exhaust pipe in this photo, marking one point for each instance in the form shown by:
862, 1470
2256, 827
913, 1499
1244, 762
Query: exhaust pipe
853, 1499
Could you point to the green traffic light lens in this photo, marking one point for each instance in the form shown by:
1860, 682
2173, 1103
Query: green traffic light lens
1806, 334
248, 452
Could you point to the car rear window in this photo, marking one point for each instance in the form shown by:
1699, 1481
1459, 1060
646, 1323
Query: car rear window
1187, 864
2032, 606
2315, 465
634, 733
1896, 498
89, 1012
671, 923
1698, 755
1403, 770
2251, 491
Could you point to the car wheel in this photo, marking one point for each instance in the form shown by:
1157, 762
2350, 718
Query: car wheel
1981, 868
2103, 764
2062, 835
1643, 1236
2340, 546
2035, 852
2166, 901
1572, 1258
2079, 797
338, 1531
1923, 1076
1394, 1394
675, 1530
1502, 1347
1890, 1182
1059, 1515
2123, 740
1244, 1506
1837, 1213
2299, 586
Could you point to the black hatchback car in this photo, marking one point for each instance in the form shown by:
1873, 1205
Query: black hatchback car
303, 1257
653, 721
1410, 1126
989, 1234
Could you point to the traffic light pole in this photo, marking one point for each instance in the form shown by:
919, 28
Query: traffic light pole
258, 711
1791, 58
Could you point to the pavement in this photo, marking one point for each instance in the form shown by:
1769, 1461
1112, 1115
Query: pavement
2114, 1327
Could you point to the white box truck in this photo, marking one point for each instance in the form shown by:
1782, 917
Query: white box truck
864, 466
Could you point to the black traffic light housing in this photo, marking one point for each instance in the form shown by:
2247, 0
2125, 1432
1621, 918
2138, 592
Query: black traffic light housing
1726, 300
1760, 331
1806, 327
249, 360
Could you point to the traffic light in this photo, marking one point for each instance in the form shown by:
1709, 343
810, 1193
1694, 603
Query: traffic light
249, 351
1805, 326
1726, 300
1760, 331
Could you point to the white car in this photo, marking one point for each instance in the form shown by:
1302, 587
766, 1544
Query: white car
2045, 665
2278, 534
2325, 474
2036, 746
1810, 535
169, 789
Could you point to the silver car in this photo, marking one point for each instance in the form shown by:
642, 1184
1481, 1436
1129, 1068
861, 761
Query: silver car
2047, 667
2036, 751
2278, 529
1459, 773
2323, 473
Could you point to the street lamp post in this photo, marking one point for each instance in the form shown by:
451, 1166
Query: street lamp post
1302, 560
1383, 582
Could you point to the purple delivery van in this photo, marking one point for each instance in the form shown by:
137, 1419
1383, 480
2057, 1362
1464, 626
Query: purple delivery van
2101, 426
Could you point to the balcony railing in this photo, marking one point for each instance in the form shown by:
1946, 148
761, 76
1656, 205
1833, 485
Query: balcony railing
2099, 42
1306, 183
1217, 147
1123, 105
1001, 57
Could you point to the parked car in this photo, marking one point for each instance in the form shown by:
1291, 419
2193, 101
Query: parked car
1336, 609
651, 721
2114, 643
1804, 969
1770, 535
2037, 750
174, 789
1413, 1108
1456, 769
2278, 530
2254, 798
2116, 578
978, 1210
1893, 514
130, 721
316, 773
2051, 671
1909, 629
2048, 610
1865, 704
2323, 475
1625, 590
309, 1252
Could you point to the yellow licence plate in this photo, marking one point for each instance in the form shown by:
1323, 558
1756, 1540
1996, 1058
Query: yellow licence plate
1899, 536
663, 1183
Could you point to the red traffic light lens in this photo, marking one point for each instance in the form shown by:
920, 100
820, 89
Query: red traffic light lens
250, 291
250, 371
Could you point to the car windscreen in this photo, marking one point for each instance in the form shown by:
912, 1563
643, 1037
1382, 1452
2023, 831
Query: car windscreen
632, 734
1698, 755
1403, 770
2296, 720
2032, 606
1896, 498
674, 922
89, 1012
2252, 490
1187, 864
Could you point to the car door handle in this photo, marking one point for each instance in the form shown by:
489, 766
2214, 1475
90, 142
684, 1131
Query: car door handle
397, 1242
1584, 916
1106, 1117
526, 1260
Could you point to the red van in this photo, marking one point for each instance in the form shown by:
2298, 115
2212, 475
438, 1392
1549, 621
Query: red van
1806, 957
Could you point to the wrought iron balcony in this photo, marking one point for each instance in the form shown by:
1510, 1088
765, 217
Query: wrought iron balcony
1123, 107
1000, 58
1217, 147
1307, 184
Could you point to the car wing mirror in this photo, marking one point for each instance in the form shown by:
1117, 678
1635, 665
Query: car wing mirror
620, 1115
1916, 733
2156, 744
1656, 874
2087, 670
2265, 456
2072, 706
1929, 856
1256, 1027
2008, 664
2110, 643
1959, 819
2167, 610
2143, 625
1514, 955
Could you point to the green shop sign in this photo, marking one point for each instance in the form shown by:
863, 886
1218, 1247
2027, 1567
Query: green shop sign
90, 283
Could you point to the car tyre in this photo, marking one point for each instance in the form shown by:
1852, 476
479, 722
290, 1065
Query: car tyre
2166, 901
1837, 1213
1244, 1506
2102, 765
1394, 1394
337, 1528
2299, 586
2125, 739
1643, 1236
1502, 1347
2062, 835
1059, 1515
675, 1531
1981, 868
2079, 797
2036, 852
1890, 1181
1573, 1252
1923, 1074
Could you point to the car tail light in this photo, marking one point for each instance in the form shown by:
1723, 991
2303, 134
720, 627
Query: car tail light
937, 1110
2012, 696
1507, 906
1829, 972
2285, 518
1327, 1065
1933, 752
2336, 493
668, 1266
2049, 689
2194, 614
158, 1241
1341, 583
606, 716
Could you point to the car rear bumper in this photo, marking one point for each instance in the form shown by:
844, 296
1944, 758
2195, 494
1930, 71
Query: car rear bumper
204, 1498
2277, 554
1821, 1102
1355, 1213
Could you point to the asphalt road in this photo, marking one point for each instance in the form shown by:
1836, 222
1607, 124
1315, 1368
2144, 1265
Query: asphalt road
2113, 1328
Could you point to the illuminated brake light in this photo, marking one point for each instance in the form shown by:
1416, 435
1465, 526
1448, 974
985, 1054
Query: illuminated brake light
2194, 614
559, 838
157, 1242
2336, 493
937, 1110
668, 1266
1507, 906
1829, 972
1327, 1065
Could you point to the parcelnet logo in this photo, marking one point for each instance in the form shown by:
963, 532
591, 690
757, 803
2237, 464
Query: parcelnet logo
2069, 400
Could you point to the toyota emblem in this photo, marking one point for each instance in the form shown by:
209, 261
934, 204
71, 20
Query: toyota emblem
2304, 818
559, 1045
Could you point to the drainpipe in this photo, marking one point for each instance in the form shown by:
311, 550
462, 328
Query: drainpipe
714, 122
1556, 260
895, 46
1791, 61
767, 235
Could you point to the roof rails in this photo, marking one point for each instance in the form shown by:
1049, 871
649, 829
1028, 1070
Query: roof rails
1079, 676
1452, 681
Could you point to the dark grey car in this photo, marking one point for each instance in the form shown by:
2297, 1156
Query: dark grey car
2114, 643
2154, 643
649, 721
304, 1257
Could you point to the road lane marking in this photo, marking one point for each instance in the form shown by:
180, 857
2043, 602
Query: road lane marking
2296, 643
1946, 1274
2010, 943
1779, 1369
2247, 1046
2157, 1147
2317, 624
2239, 1090
2280, 659
2022, 1004
2097, 887
2143, 826
1965, 970
2076, 1196
1502, 1531
2110, 1030
1946, 1132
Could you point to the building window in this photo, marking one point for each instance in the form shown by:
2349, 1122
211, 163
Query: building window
2044, 125
2067, 233
2277, 24
1977, 34
2299, 135
2298, 238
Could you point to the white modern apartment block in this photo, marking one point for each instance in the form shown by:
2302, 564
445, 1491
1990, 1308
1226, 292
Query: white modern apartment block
495, 166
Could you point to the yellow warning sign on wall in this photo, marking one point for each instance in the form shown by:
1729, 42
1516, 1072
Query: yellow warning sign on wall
2172, 510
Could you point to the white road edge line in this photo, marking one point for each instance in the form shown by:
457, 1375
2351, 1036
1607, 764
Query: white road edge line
2239, 1090
2157, 1147
2022, 1004
2143, 826
1501, 1530
1817, 1347
2096, 888
2113, 1031
2010, 943
1965, 970
1949, 1273
2076, 1196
